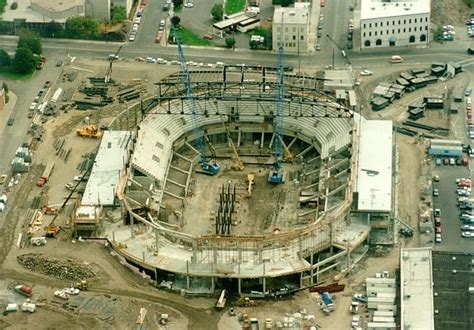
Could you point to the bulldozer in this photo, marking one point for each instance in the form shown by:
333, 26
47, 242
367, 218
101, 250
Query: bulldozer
89, 131
81, 285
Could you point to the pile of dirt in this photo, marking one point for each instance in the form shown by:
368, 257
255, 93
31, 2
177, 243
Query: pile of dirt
452, 12
68, 269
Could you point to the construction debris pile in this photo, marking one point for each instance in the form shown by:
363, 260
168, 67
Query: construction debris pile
62, 269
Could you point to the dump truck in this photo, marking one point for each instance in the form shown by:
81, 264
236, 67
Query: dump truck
89, 131
46, 174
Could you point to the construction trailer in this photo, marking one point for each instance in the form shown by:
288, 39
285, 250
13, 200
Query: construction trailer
375, 302
381, 326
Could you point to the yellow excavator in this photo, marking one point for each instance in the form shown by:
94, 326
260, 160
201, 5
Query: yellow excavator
238, 165
89, 131
288, 157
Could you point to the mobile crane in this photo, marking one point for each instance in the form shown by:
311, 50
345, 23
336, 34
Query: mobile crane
277, 176
207, 167
112, 58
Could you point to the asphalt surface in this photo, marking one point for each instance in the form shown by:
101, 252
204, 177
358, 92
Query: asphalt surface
11, 137
450, 224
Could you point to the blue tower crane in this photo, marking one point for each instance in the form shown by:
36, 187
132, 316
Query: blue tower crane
276, 175
209, 168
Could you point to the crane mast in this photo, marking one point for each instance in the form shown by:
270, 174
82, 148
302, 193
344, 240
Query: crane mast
276, 175
210, 168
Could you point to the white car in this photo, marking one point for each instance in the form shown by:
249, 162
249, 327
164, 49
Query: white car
467, 227
33, 106
137, 20
438, 238
188, 5
366, 73
467, 234
131, 37
161, 61
135, 27
150, 60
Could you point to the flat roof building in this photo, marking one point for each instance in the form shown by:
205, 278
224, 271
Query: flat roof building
295, 28
416, 289
388, 23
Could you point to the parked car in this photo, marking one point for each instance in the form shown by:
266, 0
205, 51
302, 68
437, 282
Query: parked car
436, 178
446, 161
435, 192
366, 73
468, 227
318, 47
452, 161
468, 91
438, 161
437, 212
10, 121
438, 230
437, 221
131, 37
438, 238
467, 234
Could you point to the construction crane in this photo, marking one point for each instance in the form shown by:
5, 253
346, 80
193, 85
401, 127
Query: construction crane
212, 167
238, 164
112, 58
52, 230
276, 175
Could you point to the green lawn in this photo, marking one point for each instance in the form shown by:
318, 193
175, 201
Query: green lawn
189, 38
234, 6
17, 76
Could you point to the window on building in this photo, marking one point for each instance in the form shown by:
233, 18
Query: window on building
370, 34
426, 28
375, 24
294, 37
364, 25
378, 42
404, 21
393, 31
159, 145
302, 37
286, 29
415, 28
393, 22
426, 19
415, 20
370, 25
388, 31
404, 30
409, 29
398, 30
155, 158
375, 33
412, 39
278, 29
381, 33
367, 43
423, 37
294, 29
409, 21
399, 22
364, 34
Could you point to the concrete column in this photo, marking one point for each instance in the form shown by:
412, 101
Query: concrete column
301, 279
259, 252
156, 241
311, 269
194, 252
262, 139
187, 275
264, 284
300, 247
212, 284
239, 285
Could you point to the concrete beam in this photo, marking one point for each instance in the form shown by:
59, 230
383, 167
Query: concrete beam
304, 152
178, 169
292, 142
176, 183
192, 148
173, 195
182, 157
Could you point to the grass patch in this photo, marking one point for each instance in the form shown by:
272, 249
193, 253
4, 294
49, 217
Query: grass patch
3, 3
234, 6
17, 76
189, 38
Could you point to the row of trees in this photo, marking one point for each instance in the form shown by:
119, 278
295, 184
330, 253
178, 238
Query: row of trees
26, 55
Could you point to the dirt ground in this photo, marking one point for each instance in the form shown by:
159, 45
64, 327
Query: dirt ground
452, 12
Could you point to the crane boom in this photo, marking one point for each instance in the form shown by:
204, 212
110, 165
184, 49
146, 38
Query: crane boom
207, 167
238, 165
111, 61
276, 176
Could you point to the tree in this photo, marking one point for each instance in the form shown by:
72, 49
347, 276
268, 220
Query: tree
438, 34
5, 87
81, 27
253, 44
30, 40
24, 60
53, 28
175, 20
177, 4
283, 3
5, 60
119, 14
230, 42
217, 12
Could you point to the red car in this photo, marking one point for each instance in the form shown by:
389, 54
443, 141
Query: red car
438, 222
438, 230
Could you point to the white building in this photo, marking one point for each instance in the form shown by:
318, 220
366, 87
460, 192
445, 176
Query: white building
295, 28
388, 23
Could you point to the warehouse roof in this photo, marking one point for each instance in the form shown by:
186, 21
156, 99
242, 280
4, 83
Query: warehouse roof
416, 289
373, 9
112, 156
374, 172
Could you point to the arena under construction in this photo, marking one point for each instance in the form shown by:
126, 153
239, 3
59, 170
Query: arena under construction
197, 231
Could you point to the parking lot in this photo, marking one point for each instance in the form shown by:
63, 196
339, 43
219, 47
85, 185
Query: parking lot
447, 201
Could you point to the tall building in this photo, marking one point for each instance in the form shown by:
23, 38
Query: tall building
295, 28
391, 23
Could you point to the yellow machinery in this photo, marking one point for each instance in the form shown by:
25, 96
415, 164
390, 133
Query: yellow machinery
288, 157
251, 182
89, 131
238, 165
